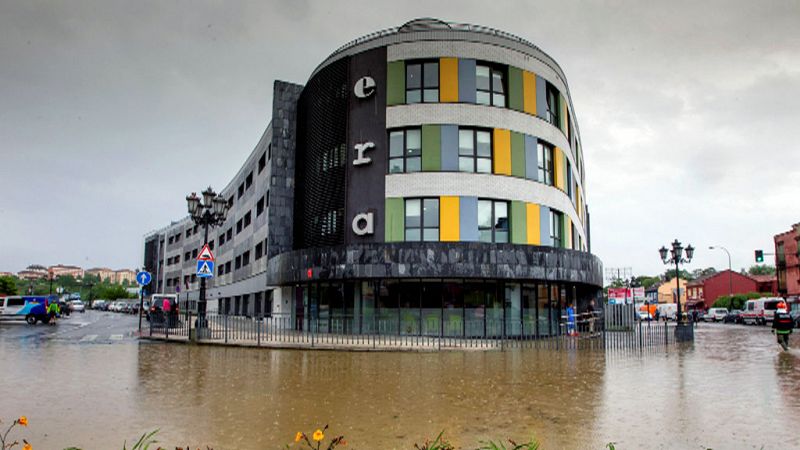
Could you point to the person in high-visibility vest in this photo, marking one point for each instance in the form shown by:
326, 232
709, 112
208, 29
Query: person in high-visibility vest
53, 311
782, 324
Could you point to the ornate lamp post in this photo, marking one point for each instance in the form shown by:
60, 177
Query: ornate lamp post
730, 274
676, 257
210, 212
50, 277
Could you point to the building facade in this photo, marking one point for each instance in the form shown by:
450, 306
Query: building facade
668, 289
787, 262
426, 178
703, 292
66, 270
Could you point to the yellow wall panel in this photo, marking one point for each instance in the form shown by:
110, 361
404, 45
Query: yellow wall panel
502, 151
448, 80
529, 92
449, 219
569, 236
558, 162
534, 223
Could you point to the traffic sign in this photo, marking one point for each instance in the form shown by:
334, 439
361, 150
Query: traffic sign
144, 278
205, 269
205, 254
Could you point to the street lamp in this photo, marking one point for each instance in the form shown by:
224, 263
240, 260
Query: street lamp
730, 274
50, 278
210, 212
676, 257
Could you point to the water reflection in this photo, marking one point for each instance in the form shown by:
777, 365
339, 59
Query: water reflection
732, 388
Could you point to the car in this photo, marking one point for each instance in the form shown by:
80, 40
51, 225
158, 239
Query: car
734, 316
99, 304
644, 315
760, 311
715, 314
77, 306
32, 309
115, 306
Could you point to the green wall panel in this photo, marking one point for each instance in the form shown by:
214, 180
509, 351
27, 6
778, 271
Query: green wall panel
517, 154
396, 83
516, 99
431, 148
519, 232
395, 220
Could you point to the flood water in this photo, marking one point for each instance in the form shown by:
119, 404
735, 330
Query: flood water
731, 389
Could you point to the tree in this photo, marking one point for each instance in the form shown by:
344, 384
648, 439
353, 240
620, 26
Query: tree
8, 286
762, 269
110, 292
735, 302
647, 281
685, 275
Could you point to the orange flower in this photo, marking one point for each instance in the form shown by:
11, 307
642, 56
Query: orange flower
23, 421
298, 436
318, 436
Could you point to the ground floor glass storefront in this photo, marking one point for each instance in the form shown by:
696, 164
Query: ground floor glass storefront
448, 307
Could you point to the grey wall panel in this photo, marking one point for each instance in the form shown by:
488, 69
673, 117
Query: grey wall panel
468, 219
466, 80
531, 158
541, 97
449, 147
544, 222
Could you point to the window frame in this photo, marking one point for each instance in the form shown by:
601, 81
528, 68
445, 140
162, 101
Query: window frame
422, 225
475, 157
494, 219
423, 88
556, 229
493, 92
405, 150
553, 114
545, 170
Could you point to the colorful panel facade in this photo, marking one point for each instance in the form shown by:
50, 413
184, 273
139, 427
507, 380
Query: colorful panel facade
448, 80
531, 158
449, 219
519, 231
529, 92
515, 92
431, 148
449, 144
502, 151
534, 225
466, 80
468, 223
396, 83
395, 220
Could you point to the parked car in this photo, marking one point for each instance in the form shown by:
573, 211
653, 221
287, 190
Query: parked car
760, 311
715, 314
31, 309
734, 316
98, 304
77, 306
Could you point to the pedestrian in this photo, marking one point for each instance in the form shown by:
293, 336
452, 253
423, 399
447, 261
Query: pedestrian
571, 320
53, 311
782, 324
590, 312
658, 314
166, 308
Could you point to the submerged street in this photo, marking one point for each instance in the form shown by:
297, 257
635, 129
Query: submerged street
96, 386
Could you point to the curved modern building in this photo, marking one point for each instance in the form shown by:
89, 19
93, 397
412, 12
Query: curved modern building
427, 179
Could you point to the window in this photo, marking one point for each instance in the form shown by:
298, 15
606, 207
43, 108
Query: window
230, 202
474, 151
188, 232
262, 162
247, 219
221, 239
269, 152
260, 205
169, 241
194, 278
194, 253
568, 183
186, 256
229, 234
552, 105
246, 258
422, 219
238, 226
405, 151
221, 269
248, 181
211, 245
422, 82
556, 221
545, 161
259, 251
266, 199
493, 220
177, 237
238, 264
228, 267
241, 191
490, 85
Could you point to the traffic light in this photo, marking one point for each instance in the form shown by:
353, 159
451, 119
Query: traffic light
759, 256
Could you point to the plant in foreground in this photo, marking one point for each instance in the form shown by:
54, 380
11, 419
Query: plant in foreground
318, 436
439, 443
4, 442
491, 445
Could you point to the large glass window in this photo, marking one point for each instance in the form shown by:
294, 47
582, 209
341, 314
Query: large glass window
545, 162
552, 105
490, 85
556, 223
405, 151
474, 151
568, 183
422, 219
422, 82
493, 220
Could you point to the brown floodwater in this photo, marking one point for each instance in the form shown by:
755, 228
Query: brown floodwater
732, 388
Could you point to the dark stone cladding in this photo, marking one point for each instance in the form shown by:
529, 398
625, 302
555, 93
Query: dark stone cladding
436, 260
281, 185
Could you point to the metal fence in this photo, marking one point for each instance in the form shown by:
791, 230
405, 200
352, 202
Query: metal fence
617, 327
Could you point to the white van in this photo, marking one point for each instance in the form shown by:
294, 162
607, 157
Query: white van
760, 311
668, 310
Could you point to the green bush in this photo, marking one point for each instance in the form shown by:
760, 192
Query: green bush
737, 300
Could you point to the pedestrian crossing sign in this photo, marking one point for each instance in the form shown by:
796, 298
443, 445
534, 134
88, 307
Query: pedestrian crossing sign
205, 269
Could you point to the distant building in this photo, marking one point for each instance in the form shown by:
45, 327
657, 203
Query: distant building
666, 292
63, 270
104, 273
6, 274
704, 291
33, 272
124, 275
787, 263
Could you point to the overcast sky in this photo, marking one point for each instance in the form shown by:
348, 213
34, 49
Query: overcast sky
111, 112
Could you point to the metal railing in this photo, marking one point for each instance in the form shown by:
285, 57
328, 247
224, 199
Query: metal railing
615, 328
